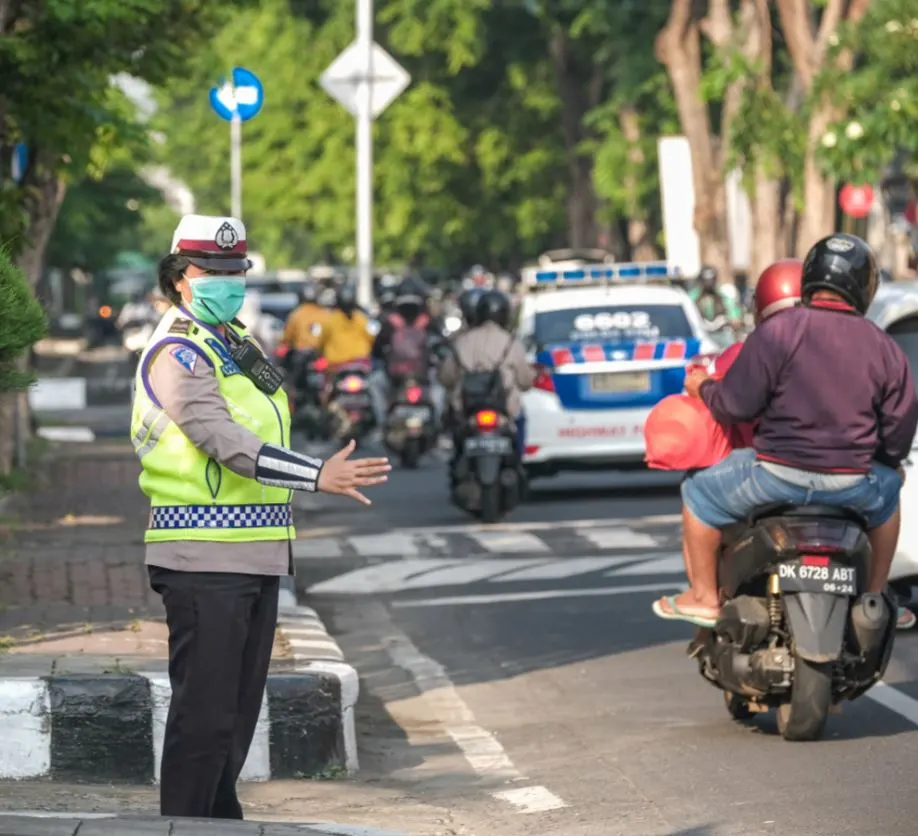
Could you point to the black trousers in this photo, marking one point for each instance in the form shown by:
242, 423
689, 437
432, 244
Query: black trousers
221, 632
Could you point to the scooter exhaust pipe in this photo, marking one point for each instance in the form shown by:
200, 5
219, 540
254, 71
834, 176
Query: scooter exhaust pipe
870, 617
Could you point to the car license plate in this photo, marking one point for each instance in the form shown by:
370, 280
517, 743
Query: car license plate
483, 445
832, 578
607, 383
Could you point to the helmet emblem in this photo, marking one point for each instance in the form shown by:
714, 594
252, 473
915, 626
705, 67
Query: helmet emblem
839, 245
226, 237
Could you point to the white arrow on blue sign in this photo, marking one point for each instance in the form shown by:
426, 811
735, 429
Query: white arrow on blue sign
20, 161
244, 96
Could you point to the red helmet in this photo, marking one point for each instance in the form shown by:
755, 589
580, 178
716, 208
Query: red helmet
778, 287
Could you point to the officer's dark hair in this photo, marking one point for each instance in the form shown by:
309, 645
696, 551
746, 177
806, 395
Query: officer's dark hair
171, 269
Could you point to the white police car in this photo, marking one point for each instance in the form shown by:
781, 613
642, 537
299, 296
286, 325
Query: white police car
609, 341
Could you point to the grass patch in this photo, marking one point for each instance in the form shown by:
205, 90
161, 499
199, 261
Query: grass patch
6, 642
24, 479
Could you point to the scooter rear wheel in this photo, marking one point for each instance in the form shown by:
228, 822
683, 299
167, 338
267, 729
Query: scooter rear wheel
804, 716
491, 510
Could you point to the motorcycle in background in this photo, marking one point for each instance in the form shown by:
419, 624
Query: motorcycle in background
486, 474
797, 631
350, 408
410, 430
305, 379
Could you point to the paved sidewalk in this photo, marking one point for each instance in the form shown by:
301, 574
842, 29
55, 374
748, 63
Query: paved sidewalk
84, 690
72, 577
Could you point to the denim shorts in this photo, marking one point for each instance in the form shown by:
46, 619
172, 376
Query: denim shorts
728, 491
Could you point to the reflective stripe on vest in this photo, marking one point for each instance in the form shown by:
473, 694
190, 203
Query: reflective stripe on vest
152, 426
220, 516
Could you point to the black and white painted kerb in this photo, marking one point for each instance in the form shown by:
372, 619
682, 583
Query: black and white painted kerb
109, 728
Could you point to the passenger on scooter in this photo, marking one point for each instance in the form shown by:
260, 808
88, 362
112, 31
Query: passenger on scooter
489, 347
403, 345
301, 333
837, 412
304, 325
347, 336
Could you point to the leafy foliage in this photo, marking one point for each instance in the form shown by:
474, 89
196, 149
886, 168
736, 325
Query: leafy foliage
22, 323
56, 61
466, 160
879, 100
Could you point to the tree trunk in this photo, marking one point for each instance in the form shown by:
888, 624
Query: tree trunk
766, 224
43, 211
641, 246
678, 48
579, 92
808, 51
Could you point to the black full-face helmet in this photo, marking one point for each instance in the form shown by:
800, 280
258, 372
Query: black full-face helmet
493, 306
845, 265
468, 304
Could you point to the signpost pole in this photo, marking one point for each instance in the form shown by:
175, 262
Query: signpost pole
236, 165
365, 155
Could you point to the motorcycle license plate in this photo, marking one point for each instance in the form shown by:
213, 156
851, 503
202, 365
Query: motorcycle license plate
353, 401
482, 445
825, 576
420, 413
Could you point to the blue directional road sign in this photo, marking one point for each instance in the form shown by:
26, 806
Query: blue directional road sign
20, 162
244, 96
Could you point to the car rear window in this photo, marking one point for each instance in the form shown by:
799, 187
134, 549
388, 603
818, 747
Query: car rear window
905, 333
612, 323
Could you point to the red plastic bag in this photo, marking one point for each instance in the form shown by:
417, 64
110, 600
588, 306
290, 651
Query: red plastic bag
681, 434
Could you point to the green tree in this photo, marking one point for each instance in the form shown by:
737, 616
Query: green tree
22, 324
880, 95
57, 59
467, 160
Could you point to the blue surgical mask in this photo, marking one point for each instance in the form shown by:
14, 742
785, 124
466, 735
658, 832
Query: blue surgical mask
216, 299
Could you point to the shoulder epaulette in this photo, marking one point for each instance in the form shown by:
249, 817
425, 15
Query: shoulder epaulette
180, 326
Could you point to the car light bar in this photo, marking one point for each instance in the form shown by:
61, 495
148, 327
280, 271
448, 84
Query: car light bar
600, 274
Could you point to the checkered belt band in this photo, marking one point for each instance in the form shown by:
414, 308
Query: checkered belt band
221, 516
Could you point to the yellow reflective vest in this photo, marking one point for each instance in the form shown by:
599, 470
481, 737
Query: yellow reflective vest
192, 496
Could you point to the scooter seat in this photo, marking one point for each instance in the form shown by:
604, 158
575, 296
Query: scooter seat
782, 509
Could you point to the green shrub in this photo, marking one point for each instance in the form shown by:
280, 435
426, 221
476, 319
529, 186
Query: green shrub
22, 324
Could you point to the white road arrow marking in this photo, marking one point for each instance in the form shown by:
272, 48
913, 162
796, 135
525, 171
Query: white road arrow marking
426, 573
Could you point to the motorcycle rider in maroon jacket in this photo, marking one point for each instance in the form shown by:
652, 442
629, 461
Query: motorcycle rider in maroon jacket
837, 413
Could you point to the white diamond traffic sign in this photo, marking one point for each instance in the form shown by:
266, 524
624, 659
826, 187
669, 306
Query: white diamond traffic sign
349, 71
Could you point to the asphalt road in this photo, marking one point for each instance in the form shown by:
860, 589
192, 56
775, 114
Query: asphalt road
517, 679
514, 681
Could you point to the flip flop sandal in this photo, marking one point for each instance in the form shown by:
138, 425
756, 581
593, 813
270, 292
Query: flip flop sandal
905, 619
675, 613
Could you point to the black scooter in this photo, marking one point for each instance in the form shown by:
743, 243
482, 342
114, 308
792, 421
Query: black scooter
797, 632
487, 479
410, 430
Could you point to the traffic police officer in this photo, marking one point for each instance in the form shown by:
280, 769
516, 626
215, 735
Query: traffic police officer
211, 426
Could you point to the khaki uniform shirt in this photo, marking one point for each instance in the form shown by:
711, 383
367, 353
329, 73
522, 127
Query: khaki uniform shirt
192, 399
480, 350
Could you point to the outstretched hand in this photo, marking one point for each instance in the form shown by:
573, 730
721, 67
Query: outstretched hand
341, 475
